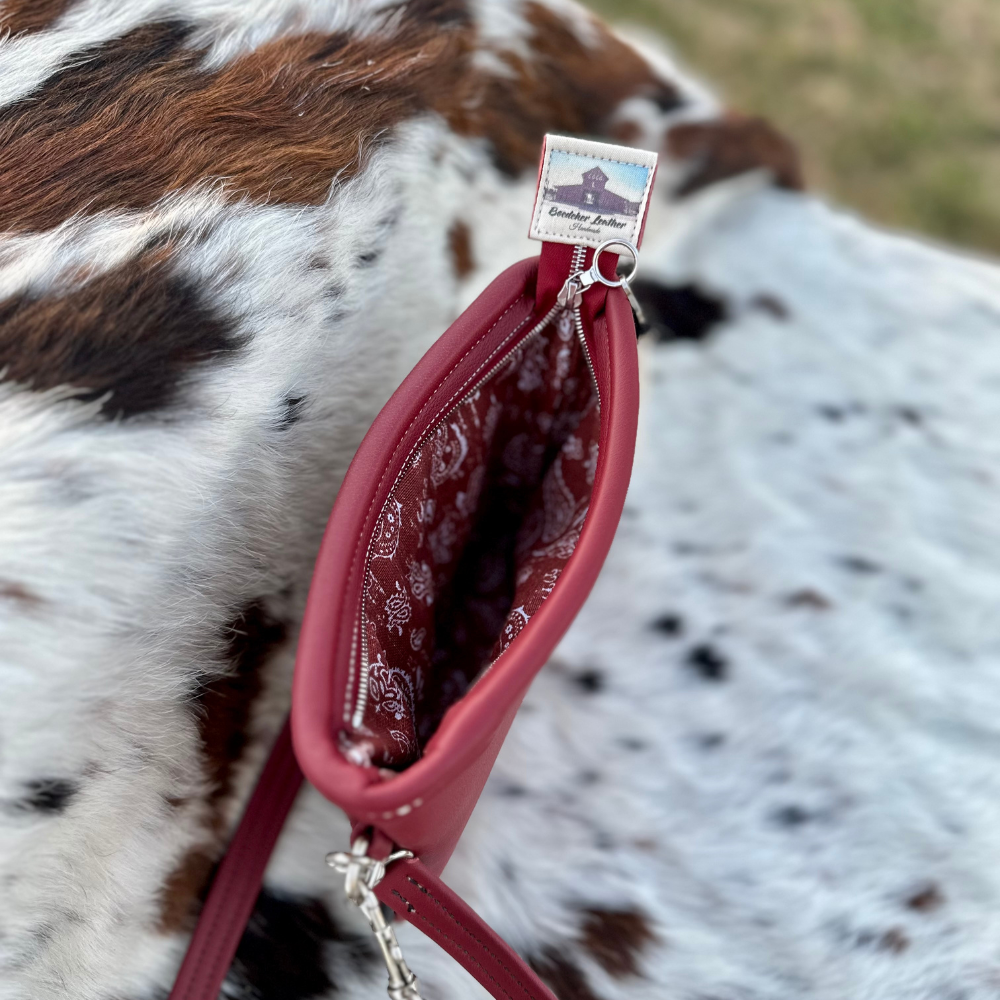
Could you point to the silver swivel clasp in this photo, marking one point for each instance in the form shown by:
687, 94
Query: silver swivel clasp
361, 875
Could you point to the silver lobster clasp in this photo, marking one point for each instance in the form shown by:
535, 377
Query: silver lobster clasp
361, 875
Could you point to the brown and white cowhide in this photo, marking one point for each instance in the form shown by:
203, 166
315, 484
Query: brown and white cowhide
762, 765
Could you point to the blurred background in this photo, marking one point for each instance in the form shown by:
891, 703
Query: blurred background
895, 104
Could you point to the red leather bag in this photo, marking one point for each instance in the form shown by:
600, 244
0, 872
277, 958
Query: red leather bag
469, 529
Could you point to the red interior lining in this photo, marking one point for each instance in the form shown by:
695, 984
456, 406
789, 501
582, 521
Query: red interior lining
472, 539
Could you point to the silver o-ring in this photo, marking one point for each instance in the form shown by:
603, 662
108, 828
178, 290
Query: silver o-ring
632, 249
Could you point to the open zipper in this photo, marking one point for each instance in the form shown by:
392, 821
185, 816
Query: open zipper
568, 300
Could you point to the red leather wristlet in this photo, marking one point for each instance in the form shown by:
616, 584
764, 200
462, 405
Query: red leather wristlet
412, 888
467, 533
426, 806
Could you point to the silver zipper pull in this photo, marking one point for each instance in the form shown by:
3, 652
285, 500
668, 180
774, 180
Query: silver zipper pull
571, 294
361, 875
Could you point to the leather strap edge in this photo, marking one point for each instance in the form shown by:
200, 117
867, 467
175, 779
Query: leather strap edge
237, 882
414, 893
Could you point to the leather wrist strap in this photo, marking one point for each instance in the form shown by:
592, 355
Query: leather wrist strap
417, 895
408, 888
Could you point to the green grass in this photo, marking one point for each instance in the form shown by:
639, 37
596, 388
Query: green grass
895, 104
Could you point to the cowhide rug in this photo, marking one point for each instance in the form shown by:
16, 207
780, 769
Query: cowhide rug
762, 765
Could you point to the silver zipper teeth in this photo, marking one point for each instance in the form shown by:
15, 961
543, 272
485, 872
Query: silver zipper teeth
350, 673
362, 697
576, 265
578, 323
578, 255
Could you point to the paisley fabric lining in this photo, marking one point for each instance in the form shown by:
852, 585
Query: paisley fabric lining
473, 539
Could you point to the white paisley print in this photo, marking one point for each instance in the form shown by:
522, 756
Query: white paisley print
397, 610
386, 539
421, 582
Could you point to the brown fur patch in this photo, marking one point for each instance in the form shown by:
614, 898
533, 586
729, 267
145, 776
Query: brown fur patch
894, 940
626, 133
926, 899
224, 703
19, 594
731, 146
130, 120
771, 304
460, 245
136, 118
133, 332
224, 706
21, 17
807, 597
562, 975
616, 938
564, 86
443, 13
183, 889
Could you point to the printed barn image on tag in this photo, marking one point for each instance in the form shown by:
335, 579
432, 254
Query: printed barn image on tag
590, 192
